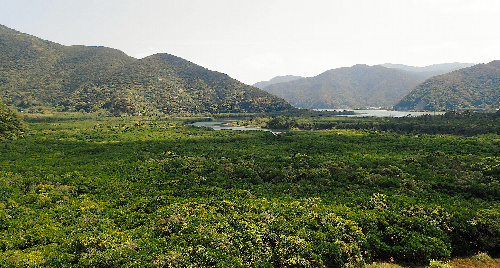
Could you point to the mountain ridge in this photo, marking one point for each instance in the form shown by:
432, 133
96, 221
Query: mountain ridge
429, 68
475, 87
359, 86
429, 71
276, 80
39, 73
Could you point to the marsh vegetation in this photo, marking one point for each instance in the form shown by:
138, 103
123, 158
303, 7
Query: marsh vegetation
87, 191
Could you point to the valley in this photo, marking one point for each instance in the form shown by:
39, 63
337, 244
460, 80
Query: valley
111, 161
84, 190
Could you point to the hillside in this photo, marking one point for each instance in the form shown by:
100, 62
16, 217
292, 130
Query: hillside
476, 87
36, 74
431, 70
359, 86
441, 67
10, 123
276, 80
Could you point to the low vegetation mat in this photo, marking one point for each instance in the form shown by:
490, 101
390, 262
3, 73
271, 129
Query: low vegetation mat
85, 191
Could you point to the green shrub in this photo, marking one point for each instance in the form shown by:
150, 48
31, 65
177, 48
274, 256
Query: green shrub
11, 124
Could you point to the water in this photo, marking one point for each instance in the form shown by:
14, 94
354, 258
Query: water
224, 124
383, 113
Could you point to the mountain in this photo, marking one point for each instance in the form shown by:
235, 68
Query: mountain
431, 70
10, 123
441, 67
276, 80
37, 73
476, 87
359, 86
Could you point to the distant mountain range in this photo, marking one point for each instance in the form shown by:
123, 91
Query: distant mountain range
359, 86
476, 87
36, 74
441, 67
276, 80
431, 70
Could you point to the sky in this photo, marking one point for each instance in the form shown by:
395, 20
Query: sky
256, 40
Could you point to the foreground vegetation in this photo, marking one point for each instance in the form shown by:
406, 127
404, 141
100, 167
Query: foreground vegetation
11, 125
80, 191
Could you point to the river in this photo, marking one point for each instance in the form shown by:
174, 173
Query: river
382, 113
224, 124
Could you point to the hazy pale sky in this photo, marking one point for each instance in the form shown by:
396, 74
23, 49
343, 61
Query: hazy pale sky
255, 40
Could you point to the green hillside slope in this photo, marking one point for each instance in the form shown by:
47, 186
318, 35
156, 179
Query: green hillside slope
38, 73
359, 86
476, 87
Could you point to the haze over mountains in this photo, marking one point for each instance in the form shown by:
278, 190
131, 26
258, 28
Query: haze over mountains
276, 80
431, 70
38, 73
421, 72
359, 86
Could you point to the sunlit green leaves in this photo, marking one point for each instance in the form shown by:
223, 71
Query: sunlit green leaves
109, 192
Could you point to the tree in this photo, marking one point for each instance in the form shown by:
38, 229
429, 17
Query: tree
10, 123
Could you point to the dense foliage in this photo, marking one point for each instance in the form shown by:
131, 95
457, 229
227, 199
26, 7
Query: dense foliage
476, 87
11, 124
37, 75
359, 86
153, 192
466, 123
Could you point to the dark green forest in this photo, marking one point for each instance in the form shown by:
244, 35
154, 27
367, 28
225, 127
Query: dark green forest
82, 190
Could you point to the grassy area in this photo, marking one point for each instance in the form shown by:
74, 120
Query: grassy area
85, 191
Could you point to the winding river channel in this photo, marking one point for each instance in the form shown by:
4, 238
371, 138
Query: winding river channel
225, 124
383, 113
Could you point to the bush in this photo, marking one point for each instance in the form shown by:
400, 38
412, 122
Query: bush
11, 124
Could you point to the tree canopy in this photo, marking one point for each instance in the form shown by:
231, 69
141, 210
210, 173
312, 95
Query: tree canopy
11, 124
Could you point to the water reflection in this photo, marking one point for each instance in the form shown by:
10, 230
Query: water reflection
383, 113
225, 124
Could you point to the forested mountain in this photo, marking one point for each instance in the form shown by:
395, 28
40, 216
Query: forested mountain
276, 80
38, 73
431, 70
359, 86
476, 87
10, 123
